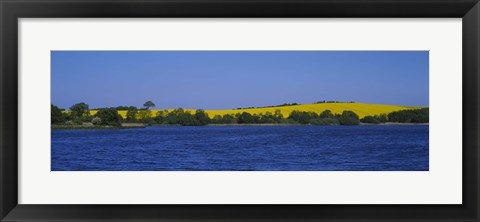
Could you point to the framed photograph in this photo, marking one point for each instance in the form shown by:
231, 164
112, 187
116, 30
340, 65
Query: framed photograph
225, 110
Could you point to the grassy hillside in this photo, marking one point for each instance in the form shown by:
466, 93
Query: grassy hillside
360, 109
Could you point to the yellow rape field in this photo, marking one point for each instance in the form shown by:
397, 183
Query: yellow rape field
361, 109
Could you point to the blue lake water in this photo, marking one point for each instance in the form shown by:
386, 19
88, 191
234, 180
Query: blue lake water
241, 148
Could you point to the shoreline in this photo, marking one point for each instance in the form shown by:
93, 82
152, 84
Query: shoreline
141, 125
97, 127
255, 124
286, 124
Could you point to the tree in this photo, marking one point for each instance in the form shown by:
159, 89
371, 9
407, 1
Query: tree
326, 114
67, 116
228, 118
56, 115
148, 104
268, 117
348, 118
370, 119
144, 115
122, 108
278, 115
79, 110
410, 116
302, 117
187, 119
217, 119
109, 116
160, 117
245, 118
172, 117
202, 117
382, 117
132, 114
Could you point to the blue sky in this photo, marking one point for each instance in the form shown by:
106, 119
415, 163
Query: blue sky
231, 79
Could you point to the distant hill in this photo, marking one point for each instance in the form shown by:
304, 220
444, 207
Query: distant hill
361, 109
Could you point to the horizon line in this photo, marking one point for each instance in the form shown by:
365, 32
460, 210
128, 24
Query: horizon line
252, 107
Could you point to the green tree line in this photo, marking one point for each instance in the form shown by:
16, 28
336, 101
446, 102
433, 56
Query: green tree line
79, 113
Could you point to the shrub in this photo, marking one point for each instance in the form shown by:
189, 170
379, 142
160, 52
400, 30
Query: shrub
132, 114
288, 121
217, 119
410, 116
172, 118
370, 119
160, 117
382, 118
227, 118
267, 118
80, 109
348, 118
56, 115
86, 119
201, 117
67, 116
278, 115
302, 117
96, 121
326, 114
77, 121
144, 115
109, 116
186, 119
245, 118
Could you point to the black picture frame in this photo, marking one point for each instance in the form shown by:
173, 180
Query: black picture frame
12, 10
